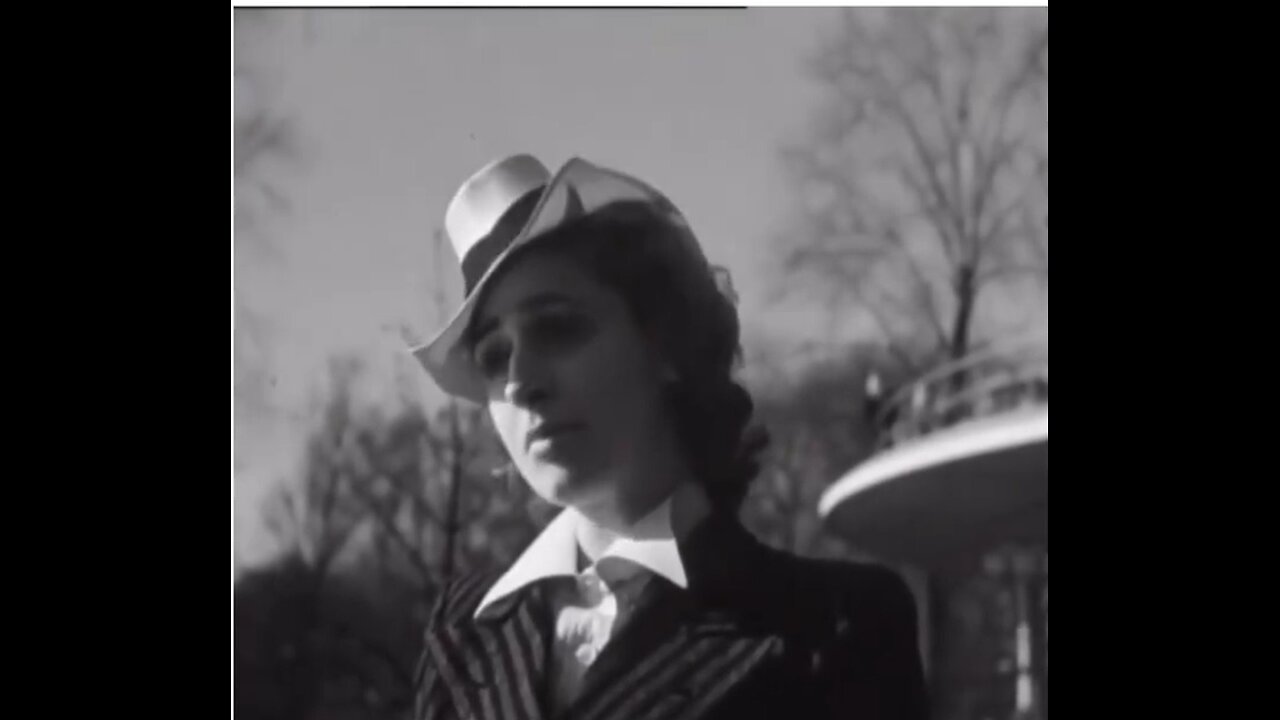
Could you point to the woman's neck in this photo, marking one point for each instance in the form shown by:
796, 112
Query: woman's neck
605, 522
644, 477
634, 497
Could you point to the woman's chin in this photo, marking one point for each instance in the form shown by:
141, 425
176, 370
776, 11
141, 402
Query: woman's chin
562, 486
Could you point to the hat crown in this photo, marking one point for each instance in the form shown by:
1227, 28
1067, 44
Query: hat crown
487, 195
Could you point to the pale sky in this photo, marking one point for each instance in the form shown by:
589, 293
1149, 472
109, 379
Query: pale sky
396, 107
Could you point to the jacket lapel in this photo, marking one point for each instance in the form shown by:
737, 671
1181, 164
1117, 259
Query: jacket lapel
685, 650
493, 669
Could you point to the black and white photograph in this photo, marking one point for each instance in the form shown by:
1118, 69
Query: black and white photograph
640, 362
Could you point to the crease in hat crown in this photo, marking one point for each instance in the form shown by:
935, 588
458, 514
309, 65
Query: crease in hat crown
482, 200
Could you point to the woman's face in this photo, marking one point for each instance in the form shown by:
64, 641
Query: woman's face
574, 388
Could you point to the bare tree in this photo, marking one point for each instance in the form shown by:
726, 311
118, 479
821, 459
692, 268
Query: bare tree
388, 506
923, 198
317, 516
432, 490
263, 141
925, 184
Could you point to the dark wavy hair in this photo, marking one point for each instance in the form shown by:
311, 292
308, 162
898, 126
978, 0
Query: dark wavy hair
687, 307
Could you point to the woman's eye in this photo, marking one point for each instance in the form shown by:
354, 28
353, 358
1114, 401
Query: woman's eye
543, 335
491, 359
559, 329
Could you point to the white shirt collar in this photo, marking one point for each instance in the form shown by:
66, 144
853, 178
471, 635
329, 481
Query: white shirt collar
651, 542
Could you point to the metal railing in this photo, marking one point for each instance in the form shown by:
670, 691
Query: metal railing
1006, 377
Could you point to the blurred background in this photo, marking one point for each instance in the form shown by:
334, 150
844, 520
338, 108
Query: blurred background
876, 181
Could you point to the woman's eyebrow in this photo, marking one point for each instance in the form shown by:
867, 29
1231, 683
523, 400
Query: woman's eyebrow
529, 304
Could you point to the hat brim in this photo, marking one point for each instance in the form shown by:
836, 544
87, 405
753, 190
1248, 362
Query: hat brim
579, 188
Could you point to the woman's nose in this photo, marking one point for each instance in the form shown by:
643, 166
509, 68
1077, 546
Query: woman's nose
528, 378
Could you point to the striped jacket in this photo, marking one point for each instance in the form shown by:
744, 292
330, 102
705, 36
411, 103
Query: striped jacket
758, 634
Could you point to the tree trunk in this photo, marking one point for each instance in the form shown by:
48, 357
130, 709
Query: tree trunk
966, 297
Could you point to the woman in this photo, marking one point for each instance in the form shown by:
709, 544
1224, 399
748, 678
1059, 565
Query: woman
603, 345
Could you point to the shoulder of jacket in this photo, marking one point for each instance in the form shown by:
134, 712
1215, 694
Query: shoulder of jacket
842, 577
839, 592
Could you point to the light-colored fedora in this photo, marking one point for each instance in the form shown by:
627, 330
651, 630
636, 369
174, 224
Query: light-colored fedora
504, 206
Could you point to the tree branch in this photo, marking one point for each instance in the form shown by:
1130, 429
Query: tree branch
1013, 270
924, 295
1005, 97
392, 532
332, 542
935, 214
893, 99
892, 341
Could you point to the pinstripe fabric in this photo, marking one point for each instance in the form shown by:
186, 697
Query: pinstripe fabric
442, 668
490, 670
757, 635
